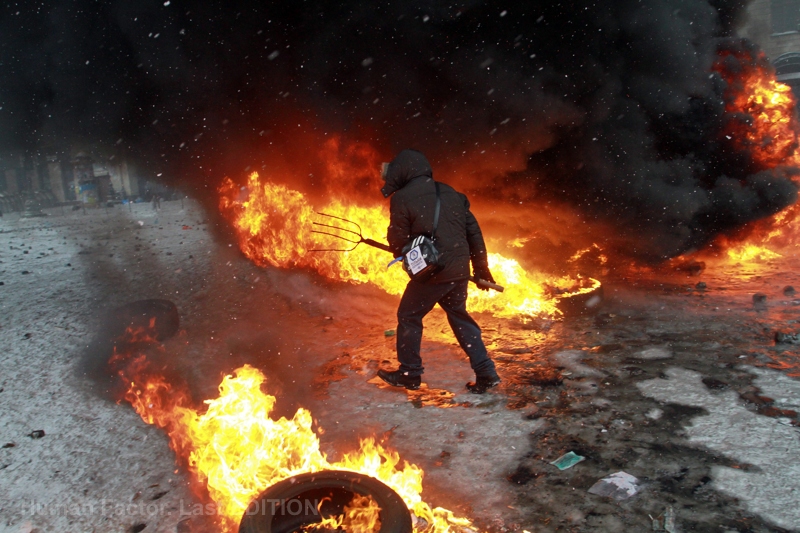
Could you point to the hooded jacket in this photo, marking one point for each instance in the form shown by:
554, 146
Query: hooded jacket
409, 182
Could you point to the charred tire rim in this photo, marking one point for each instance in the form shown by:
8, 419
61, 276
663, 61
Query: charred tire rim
289, 505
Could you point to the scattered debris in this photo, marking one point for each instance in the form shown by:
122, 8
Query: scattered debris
619, 486
665, 521
567, 460
786, 338
701, 286
654, 414
571, 359
444, 458
543, 376
522, 475
36, 434
691, 267
714, 384
755, 399
651, 354
634, 370
8, 445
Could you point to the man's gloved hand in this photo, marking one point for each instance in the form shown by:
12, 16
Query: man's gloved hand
482, 272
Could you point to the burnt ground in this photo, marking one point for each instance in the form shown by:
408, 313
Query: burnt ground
680, 385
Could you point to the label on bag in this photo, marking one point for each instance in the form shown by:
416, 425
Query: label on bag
416, 261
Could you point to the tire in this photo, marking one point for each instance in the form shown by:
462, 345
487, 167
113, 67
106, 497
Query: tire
272, 511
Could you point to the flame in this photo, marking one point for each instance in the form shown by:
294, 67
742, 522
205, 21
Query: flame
747, 253
771, 136
361, 515
274, 227
594, 248
764, 125
237, 450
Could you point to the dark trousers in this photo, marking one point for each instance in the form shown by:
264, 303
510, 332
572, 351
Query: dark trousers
417, 301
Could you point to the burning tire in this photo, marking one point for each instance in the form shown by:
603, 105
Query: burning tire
305, 499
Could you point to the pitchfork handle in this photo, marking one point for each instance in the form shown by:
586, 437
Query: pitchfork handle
483, 283
477, 281
376, 244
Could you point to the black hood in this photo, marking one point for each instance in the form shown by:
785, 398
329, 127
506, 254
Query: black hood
408, 164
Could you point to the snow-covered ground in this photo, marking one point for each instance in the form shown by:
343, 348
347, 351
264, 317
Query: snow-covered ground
623, 387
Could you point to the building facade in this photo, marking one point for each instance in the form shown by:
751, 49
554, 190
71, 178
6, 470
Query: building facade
775, 26
58, 179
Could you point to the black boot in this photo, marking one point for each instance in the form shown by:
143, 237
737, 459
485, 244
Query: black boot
482, 384
399, 378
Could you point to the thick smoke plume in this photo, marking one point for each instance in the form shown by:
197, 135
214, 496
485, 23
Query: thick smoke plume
610, 107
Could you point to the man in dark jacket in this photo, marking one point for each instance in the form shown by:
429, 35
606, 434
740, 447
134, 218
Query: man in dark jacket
409, 181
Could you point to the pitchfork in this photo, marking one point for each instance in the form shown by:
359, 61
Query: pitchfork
356, 234
355, 237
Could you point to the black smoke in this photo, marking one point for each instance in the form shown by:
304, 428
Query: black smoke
613, 104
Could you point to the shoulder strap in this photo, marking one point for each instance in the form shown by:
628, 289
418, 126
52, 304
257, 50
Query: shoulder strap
436, 211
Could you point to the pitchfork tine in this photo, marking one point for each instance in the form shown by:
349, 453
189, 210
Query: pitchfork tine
333, 249
358, 234
336, 236
343, 220
337, 228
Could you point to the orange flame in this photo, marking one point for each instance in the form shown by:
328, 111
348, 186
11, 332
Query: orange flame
238, 450
771, 136
361, 515
274, 227
747, 253
769, 132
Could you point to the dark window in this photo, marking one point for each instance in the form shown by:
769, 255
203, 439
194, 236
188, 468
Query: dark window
785, 15
787, 70
787, 64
